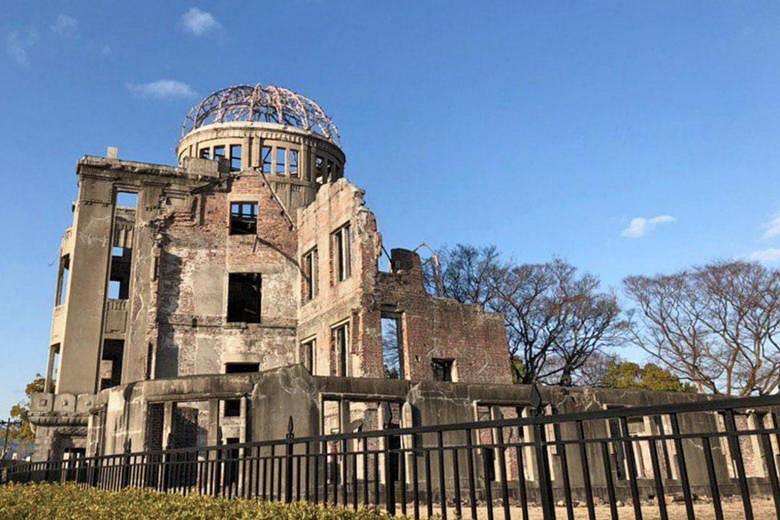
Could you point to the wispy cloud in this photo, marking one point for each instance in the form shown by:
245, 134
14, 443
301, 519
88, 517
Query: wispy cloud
199, 22
640, 226
65, 25
18, 46
772, 228
766, 255
161, 89
105, 51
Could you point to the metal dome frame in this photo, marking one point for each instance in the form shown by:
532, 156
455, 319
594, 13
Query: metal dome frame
268, 104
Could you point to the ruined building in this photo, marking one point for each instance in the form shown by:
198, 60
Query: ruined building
253, 253
208, 302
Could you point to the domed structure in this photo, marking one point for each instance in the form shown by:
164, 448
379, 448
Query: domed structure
269, 104
178, 285
268, 130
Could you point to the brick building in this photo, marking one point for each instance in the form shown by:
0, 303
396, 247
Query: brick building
253, 253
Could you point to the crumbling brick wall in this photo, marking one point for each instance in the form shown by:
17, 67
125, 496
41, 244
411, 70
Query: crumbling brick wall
431, 327
197, 255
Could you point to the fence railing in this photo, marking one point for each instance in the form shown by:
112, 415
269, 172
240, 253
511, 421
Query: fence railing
700, 452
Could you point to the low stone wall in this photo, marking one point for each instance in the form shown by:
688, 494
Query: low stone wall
210, 410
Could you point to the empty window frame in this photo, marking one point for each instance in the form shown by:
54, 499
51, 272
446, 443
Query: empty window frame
293, 163
244, 297
52, 368
319, 167
342, 252
219, 152
340, 337
232, 408
205, 153
281, 161
119, 275
127, 199
310, 272
329, 170
392, 351
442, 369
267, 159
63, 278
113, 350
115, 290
307, 354
242, 368
243, 218
235, 157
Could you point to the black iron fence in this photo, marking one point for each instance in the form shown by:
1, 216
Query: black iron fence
694, 453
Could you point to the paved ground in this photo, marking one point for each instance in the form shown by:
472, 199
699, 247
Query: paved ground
763, 509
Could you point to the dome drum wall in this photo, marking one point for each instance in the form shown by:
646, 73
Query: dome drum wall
286, 156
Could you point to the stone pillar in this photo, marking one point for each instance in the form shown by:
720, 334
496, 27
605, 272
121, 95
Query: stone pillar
169, 408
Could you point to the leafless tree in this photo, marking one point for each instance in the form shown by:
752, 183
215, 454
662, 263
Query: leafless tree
717, 326
556, 318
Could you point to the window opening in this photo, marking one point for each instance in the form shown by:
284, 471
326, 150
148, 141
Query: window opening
329, 170
235, 157
342, 244
293, 158
391, 346
267, 159
243, 218
111, 363
310, 273
318, 169
307, 348
114, 289
63, 278
442, 369
244, 294
126, 199
281, 164
341, 340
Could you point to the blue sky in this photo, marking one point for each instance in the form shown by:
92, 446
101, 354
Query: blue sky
625, 137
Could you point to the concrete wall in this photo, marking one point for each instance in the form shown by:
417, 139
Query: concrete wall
120, 417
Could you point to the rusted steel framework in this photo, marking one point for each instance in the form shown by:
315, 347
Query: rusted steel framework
268, 104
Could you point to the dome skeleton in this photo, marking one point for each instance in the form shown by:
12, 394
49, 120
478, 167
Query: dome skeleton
261, 103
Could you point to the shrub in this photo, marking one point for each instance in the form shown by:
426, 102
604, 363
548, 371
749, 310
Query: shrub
71, 502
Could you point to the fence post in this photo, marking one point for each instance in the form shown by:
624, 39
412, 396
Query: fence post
166, 461
96, 467
288, 462
389, 477
126, 465
545, 484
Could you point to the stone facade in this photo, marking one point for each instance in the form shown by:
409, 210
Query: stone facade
253, 253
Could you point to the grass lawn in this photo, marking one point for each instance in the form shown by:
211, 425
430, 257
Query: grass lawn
68, 501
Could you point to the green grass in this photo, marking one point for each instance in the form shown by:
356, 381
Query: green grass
68, 501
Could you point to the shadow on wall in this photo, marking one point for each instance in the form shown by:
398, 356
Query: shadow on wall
167, 364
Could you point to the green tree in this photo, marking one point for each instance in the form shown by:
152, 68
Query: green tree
650, 377
23, 432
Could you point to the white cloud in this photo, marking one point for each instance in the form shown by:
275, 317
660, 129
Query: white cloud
640, 226
65, 25
199, 22
772, 228
18, 46
163, 88
766, 255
